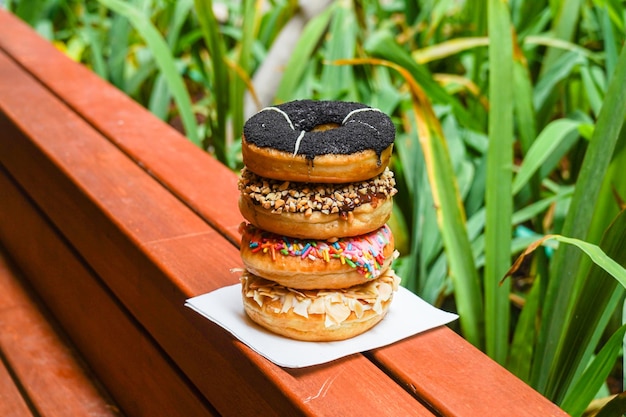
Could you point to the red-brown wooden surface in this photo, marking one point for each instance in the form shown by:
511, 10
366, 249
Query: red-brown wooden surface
154, 235
47, 370
119, 351
11, 401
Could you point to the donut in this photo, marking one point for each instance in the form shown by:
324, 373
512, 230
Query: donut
317, 315
316, 210
318, 141
314, 264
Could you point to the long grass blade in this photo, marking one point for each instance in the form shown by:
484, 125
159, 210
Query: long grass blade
548, 82
160, 96
249, 29
300, 60
118, 50
613, 193
563, 27
593, 378
596, 301
164, 60
523, 101
382, 45
524, 338
498, 195
547, 141
220, 80
448, 205
447, 48
337, 81
567, 261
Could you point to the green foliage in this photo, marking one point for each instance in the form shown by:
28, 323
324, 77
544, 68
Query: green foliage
509, 119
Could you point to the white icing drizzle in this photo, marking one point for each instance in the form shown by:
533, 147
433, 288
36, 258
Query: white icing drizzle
295, 151
358, 111
301, 136
281, 112
299, 139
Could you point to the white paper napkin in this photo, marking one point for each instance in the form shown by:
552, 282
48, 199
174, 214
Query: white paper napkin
408, 315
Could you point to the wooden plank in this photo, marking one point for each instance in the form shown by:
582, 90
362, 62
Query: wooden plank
459, 380
136, 373
48, 371
135, 222
11, 401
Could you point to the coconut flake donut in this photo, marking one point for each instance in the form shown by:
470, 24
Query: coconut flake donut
314, 264
318, 141
316, 211
318, 315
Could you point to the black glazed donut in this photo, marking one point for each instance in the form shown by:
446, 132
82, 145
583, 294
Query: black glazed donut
318, 141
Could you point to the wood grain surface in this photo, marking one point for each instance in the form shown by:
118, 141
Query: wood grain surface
50, 374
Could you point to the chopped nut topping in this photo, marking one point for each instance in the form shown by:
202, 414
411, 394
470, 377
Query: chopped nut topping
294, 197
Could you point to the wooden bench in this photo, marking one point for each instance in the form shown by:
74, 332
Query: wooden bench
115, 220
40, 373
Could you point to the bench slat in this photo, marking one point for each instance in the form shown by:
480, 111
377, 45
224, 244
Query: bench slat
123, 205
481, 387
11, 401
48, 370
135, 372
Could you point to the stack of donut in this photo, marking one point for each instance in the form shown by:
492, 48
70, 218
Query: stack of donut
317, 192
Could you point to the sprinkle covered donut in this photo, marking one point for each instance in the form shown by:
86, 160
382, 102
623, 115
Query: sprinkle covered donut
314, 264
318, 141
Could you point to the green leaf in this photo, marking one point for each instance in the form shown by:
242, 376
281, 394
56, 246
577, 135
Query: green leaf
591, 89
566, 262
160, 96
527, 213
220, 80
447, 202
382, 44
547, 141
498, 196
244, 64
447, 48
300, 59
593, 378
598, 256
523, 102
562, 68
593, 305
563, 26
164, 60
337, 81
118, 40
522, 346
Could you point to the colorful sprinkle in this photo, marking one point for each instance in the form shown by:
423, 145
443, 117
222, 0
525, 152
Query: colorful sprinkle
364, 253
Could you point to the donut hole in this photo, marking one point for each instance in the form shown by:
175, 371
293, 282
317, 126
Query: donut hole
325, 126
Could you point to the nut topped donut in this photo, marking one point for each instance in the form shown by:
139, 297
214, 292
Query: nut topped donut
318, 141
316, 210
